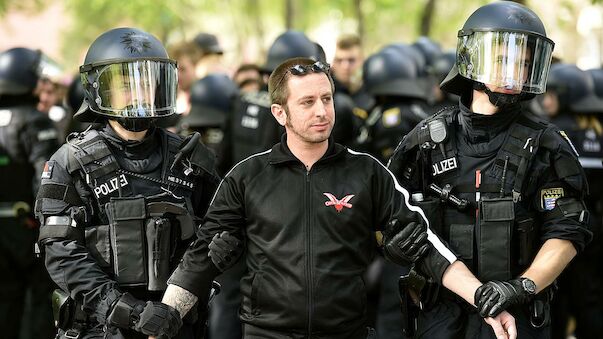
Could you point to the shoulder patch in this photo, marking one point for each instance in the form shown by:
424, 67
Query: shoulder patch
48, 167
549, 196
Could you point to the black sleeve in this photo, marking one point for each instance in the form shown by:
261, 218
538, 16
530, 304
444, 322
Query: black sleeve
40, 139
69, 263
226, 213
559, 198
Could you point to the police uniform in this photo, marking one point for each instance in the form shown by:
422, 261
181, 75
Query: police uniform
517, 183
118, 214
27, 139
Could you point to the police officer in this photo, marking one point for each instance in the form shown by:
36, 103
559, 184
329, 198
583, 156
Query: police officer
27, 139
438, 71
573, 105
119, 206
211, 100
391, 77
505, 188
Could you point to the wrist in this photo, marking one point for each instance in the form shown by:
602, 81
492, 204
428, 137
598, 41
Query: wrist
126, 311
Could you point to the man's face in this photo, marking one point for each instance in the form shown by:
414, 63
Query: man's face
310, 114
550, 103
123, 96
509, 66
186, 73
346, 63
47, 95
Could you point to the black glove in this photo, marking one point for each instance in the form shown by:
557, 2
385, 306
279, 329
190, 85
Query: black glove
408, 245
150, 318
225, 250
494, 297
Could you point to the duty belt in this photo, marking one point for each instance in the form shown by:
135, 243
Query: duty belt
13, 209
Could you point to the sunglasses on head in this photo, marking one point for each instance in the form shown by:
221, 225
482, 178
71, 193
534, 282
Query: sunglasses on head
317, 67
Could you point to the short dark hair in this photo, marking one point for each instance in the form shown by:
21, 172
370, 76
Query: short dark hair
185, 49
348, 41
277, 83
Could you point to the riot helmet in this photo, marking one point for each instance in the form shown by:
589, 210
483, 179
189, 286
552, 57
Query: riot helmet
502, 45
75, 95
413, 53
211, 101
575, 89
597, 75
128, 76
20, 70
430, 49
208, 43
442, 65
387, 73
291, 44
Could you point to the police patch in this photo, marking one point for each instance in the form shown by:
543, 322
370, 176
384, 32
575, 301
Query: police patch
391, 117
47, 172
549, 196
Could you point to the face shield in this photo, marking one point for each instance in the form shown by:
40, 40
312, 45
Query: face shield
509, 62
136, 89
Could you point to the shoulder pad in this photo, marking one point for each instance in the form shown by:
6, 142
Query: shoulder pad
77, 145
203, 158
564, 158
261, 98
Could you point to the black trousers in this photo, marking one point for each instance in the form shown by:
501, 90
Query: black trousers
451, 320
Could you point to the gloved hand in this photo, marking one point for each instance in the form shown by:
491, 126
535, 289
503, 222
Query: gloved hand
150, 318
494, 297
408, 245
225, 250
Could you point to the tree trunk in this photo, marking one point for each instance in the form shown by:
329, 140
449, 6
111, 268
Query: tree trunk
427, 17
359, 18
289, 13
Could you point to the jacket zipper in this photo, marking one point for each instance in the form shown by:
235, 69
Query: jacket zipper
309, 251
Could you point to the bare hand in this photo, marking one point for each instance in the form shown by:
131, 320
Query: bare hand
503, 325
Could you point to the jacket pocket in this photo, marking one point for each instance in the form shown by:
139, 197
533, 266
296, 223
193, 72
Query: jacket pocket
256, 286
99, 244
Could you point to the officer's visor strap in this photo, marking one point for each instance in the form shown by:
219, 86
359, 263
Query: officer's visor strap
66, 193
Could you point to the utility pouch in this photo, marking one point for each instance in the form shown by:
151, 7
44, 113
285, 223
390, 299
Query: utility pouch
525, 228
63, 309
495, 224
178, 212
432, 208
126, 217
158, 234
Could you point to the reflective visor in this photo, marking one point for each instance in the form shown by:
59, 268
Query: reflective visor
137, 89
510, 61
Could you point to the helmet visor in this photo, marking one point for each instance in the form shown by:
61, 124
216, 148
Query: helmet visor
137, 89
510, 62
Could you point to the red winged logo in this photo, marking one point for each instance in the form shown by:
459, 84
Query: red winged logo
339, 204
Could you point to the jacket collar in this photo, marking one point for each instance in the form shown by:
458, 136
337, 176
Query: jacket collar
281, 154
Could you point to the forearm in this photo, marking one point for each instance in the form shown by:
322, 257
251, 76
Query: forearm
458, 279
179, 298
550, 261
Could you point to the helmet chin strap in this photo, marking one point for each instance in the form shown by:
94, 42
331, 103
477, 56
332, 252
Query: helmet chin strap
497, 99
136, 125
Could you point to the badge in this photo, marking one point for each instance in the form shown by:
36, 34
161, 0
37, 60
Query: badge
47, 172
391, 117
444, 166
549, 196
564, 135
339, 204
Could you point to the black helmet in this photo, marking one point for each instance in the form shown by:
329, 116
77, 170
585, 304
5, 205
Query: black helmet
211, 101
597, 75
75, 95
19, 71
208, 43
127, 75
442, 65
430, 49
388, 73
503, 44
412, 53
575, 89
290, 44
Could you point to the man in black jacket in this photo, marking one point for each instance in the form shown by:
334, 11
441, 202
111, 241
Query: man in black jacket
306, 213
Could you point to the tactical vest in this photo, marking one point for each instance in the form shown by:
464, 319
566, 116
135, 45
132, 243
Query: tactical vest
490, 225
138, 240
